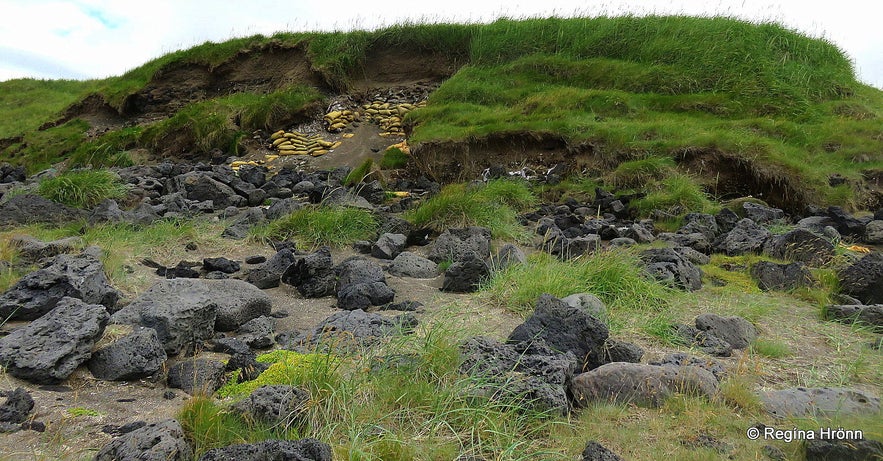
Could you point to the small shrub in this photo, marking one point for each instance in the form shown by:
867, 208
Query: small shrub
394, 158
82, 188
317, 226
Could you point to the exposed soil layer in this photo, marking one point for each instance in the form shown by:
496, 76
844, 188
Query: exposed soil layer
262, 70
394, 66
464, 161
732, 177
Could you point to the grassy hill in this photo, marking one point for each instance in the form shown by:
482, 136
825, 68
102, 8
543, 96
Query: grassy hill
746, 109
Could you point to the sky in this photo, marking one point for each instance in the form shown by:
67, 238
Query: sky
81, 39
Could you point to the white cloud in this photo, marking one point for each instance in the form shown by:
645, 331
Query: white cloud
99, 38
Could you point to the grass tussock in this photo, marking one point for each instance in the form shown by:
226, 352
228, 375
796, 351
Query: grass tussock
317, 226
493, 205
82, 188
394, 158
613, 276
402, 400
677, 195
359, 174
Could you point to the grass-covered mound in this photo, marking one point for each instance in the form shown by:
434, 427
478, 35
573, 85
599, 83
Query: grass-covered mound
748, 109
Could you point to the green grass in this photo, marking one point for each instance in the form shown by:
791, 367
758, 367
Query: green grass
79, 411
638, 173
419, 408
38, 150
28, 103
220, 123
613, 276
359, 174
770, 348
678, 195
394, 158
82, 188
493, 205
321, 225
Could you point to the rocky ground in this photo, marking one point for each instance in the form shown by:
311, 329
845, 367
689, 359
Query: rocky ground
90, 367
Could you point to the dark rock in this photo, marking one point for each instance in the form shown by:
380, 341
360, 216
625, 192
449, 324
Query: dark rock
403, 306
702, 223
17, 407
372, 191
761, 214
845, 223
351, 329
182, 311
736, 331
680, 359
746, 237
29, 209
564, 328
253, 174
31, 250
822, 401
774, 453
529, 372
620, 351
10, 173
272, 450
696, 241
781, 277
243, 224
269, 273
692, 255
622, 242
668, 266
864, 279
588, 303
639, 233
137, 355
800, 245
313, 275
257, 259
456, 244
224, 265
107, 211
276, 405
283, 208
710, 344
162, 441
37, 293
874, 232
49, 349
869, 315
643, 385
832, 449
388, 246
144, 215
408, 264
201, 187
594, 451
258, 332
117, 431
726, 220
361, 284
197, 376
465, 275
578, 246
